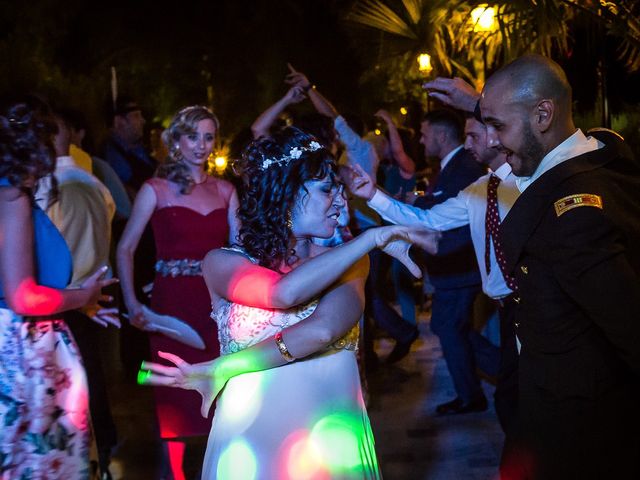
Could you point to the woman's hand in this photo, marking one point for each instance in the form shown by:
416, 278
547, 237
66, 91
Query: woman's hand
294, 95
200, 377
384, 116
93, 286
136, 315
101, 315
296, 78
396, 240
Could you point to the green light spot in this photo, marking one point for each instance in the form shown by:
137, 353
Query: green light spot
336, 436
143, 375
237, 462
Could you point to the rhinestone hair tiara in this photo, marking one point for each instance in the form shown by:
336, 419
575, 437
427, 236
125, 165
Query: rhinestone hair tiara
294, 154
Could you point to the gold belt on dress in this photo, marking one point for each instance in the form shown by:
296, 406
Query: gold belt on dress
187, 267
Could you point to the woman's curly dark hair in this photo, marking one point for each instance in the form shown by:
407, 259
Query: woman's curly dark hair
271, 183
184, 122
26, 149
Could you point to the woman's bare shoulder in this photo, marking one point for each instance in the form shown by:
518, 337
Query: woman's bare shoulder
225, 256
224, 186
10, 193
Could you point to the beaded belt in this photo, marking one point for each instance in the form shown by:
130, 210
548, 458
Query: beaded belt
186, 267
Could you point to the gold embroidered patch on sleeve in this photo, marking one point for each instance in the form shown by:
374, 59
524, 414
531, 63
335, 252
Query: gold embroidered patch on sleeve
578, 200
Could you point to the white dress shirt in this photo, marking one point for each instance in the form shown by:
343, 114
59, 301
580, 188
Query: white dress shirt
577, 144
467, 208
358, 151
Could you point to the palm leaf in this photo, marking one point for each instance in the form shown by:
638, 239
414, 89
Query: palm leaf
376, 14
414, 9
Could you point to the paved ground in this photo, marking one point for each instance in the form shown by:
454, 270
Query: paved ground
411, 442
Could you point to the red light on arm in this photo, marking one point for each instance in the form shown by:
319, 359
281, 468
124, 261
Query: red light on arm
33, 299
253, 286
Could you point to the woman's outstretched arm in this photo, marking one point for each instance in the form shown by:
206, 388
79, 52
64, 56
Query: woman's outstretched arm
337, 312
233, 276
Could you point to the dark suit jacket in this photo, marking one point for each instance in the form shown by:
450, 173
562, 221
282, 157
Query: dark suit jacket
455, 264
578, 315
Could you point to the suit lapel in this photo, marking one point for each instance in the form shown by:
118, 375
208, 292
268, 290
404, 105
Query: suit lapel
447, 171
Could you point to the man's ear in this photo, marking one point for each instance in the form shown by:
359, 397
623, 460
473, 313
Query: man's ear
544, 113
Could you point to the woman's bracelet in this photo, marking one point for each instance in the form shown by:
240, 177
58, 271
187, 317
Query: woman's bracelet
284, 351
308, 87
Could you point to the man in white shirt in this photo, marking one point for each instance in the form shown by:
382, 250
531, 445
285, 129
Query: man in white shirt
454, 273
469, 207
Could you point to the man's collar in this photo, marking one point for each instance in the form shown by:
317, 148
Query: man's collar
65, 161
449, 156
503, 171
573, 146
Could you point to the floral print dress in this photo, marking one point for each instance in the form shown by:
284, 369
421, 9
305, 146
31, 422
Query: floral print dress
44, 420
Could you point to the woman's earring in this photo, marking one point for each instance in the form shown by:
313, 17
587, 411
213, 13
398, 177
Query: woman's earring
289, 220
177, 154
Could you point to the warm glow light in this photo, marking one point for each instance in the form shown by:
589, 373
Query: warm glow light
483, 18
220, 162
300, 459
377, 131
424, 63
403, 111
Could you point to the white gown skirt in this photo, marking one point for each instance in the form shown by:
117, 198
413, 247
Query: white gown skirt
304, 420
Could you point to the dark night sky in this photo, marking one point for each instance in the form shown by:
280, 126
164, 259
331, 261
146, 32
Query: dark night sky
167, 55
240, 47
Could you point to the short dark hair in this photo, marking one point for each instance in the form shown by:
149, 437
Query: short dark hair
449, 119
124, 104
72, 117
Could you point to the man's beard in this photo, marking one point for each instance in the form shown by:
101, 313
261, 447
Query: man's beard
531, 153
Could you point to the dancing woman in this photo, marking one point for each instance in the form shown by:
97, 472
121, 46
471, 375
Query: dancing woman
282, 301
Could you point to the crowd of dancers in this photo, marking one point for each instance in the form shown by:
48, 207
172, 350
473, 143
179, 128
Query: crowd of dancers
257, 292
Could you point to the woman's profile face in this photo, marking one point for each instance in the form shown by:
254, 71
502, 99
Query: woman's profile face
198, 145
315, 214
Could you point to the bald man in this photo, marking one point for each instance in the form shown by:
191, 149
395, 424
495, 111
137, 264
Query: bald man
571, 243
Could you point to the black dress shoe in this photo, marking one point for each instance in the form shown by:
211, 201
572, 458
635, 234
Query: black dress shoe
401, 349
456, 406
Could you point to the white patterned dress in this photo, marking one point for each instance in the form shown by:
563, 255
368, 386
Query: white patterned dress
303, 420
44, 401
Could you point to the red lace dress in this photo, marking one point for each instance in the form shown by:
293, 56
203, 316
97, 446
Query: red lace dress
185, 227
